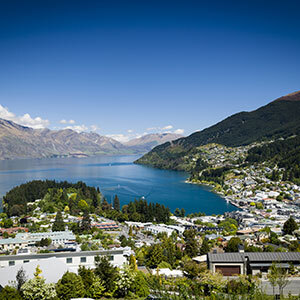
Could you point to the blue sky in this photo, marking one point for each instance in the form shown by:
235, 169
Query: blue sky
122, 67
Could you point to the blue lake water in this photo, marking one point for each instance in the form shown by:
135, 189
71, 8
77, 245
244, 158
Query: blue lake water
117, 175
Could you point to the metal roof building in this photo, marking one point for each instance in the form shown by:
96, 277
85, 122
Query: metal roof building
250, 262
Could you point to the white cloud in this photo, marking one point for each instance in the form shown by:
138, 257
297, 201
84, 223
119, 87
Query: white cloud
63, 121
94, 127
152, 128
168, 127
179, 131
130, 131
120, 137
25, 120
78, 128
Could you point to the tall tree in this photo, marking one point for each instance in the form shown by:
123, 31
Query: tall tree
70, 286
107, 273
191, 245
58, 224
290, 226
204, 249
154, 256
85, 222
116, 203
233, 245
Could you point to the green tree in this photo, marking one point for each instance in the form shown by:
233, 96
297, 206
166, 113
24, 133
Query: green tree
70, 286
273, 276
140, 286
85, 222
154, 256
290, 226
191, 269
107, 273
58, 224
182, 212
233, 245
177, 212
191, 245
204, 249
37, 288
10, 293
93, 286
116, 203
96, 289
82, 205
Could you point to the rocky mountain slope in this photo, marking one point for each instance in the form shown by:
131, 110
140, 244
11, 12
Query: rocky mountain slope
149, 141
17, 141
280, 118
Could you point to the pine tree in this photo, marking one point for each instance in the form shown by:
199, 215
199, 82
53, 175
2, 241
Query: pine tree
58, 224
204, 247
86, 222
116, 203
70, 286
191, 245
290, 226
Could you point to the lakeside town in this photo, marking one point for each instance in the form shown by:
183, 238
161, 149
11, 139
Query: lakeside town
259, 239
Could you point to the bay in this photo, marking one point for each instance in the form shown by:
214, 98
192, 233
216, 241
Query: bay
117, 175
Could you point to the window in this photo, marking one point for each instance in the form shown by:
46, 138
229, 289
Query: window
83, 259
111, 258
11, 263
25, 261
69, 260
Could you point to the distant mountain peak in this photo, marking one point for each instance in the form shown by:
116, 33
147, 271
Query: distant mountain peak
295, 96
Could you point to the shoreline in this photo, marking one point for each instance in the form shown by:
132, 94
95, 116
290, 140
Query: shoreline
230, 201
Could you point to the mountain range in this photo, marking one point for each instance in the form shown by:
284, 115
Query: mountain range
278, 119
18, 141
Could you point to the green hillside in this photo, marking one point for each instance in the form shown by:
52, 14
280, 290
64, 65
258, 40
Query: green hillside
279, 118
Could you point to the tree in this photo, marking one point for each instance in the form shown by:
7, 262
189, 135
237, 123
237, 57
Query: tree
233, 245
278, 276
191, 245
124, 282
82, 205
37, 289
93, 286
116, 203
177, 212
273, 276
9, 293
96, 289
58, 224
139, 285
191, 269
132, 263
70, 286
21, 278
85, 222
204, 249
154, 256
107, 273
290, 226
282, 279
182, 212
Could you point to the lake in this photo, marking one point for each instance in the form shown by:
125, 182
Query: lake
117, 175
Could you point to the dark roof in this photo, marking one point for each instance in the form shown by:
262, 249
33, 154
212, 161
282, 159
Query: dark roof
273, 256
254, 257
226, 257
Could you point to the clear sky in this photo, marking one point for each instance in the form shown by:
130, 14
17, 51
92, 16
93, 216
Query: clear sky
122, 67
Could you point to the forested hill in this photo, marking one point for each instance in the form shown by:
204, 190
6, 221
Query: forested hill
279, 118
